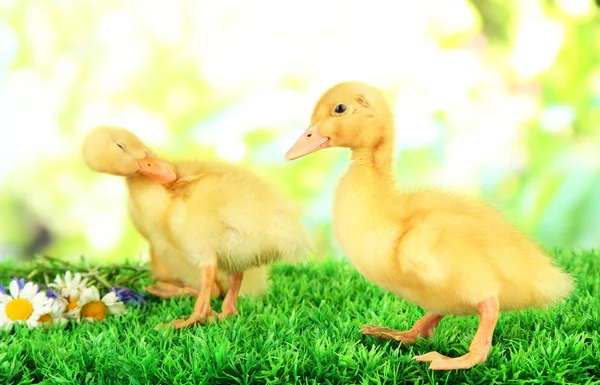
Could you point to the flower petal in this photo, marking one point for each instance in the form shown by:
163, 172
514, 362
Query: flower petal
117, 308
95, 293
28, 291
110, 298
32, 323
73, 314
59, 320
39, 298
51, 293
88, 294
59, 305
7, 325
128, 296
14, 288
40, 311
76, 279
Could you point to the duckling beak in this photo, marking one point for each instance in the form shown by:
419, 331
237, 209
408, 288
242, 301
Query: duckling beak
157, 169
310, 141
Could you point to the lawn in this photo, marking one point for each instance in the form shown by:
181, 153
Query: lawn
306, 331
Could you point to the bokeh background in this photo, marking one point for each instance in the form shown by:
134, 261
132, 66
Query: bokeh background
500, 99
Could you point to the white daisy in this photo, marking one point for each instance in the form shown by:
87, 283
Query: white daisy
56, 315
70, 287
91, 308
24, 303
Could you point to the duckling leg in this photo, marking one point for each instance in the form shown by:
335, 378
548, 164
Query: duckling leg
422, 328
171, 290
480, 346
202, 310
167, 285
229, 306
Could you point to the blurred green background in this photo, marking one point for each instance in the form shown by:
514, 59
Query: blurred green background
496, 98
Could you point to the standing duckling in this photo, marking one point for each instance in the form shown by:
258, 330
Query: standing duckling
444, 252
210, 224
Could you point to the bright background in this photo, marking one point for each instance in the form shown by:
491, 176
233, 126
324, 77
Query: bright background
497, 98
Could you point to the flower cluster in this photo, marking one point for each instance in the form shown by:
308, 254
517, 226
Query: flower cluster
68, 297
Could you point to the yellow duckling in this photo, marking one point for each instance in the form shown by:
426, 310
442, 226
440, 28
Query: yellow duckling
210, 224
444, 252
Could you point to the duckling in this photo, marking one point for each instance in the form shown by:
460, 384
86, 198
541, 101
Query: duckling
448, 253
211, 225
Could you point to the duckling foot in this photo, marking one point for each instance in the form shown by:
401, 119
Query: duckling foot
229, 306
422, 328
203, 313
195, 318
480, 346
440, 362
383, 333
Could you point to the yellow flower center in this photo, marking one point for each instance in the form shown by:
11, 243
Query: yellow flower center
95, 310
19, 309
45, 318
71, 306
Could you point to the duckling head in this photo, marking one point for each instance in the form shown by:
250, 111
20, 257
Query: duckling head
354, 115
117, 151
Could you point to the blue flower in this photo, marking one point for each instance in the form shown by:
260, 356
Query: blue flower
128, 296
51, 294
20, 282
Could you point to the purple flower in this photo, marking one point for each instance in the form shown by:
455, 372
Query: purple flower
128, 296
51, 294
20, 282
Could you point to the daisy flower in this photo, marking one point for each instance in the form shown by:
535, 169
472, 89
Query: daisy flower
70, 287
56, 314
91, 308
23, 303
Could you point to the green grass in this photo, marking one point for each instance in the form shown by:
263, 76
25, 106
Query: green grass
306, 331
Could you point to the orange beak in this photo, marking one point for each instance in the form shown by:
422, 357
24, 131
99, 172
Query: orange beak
157, 170
310, 141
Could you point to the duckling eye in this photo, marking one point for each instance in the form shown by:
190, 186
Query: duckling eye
340, 109
121, 145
